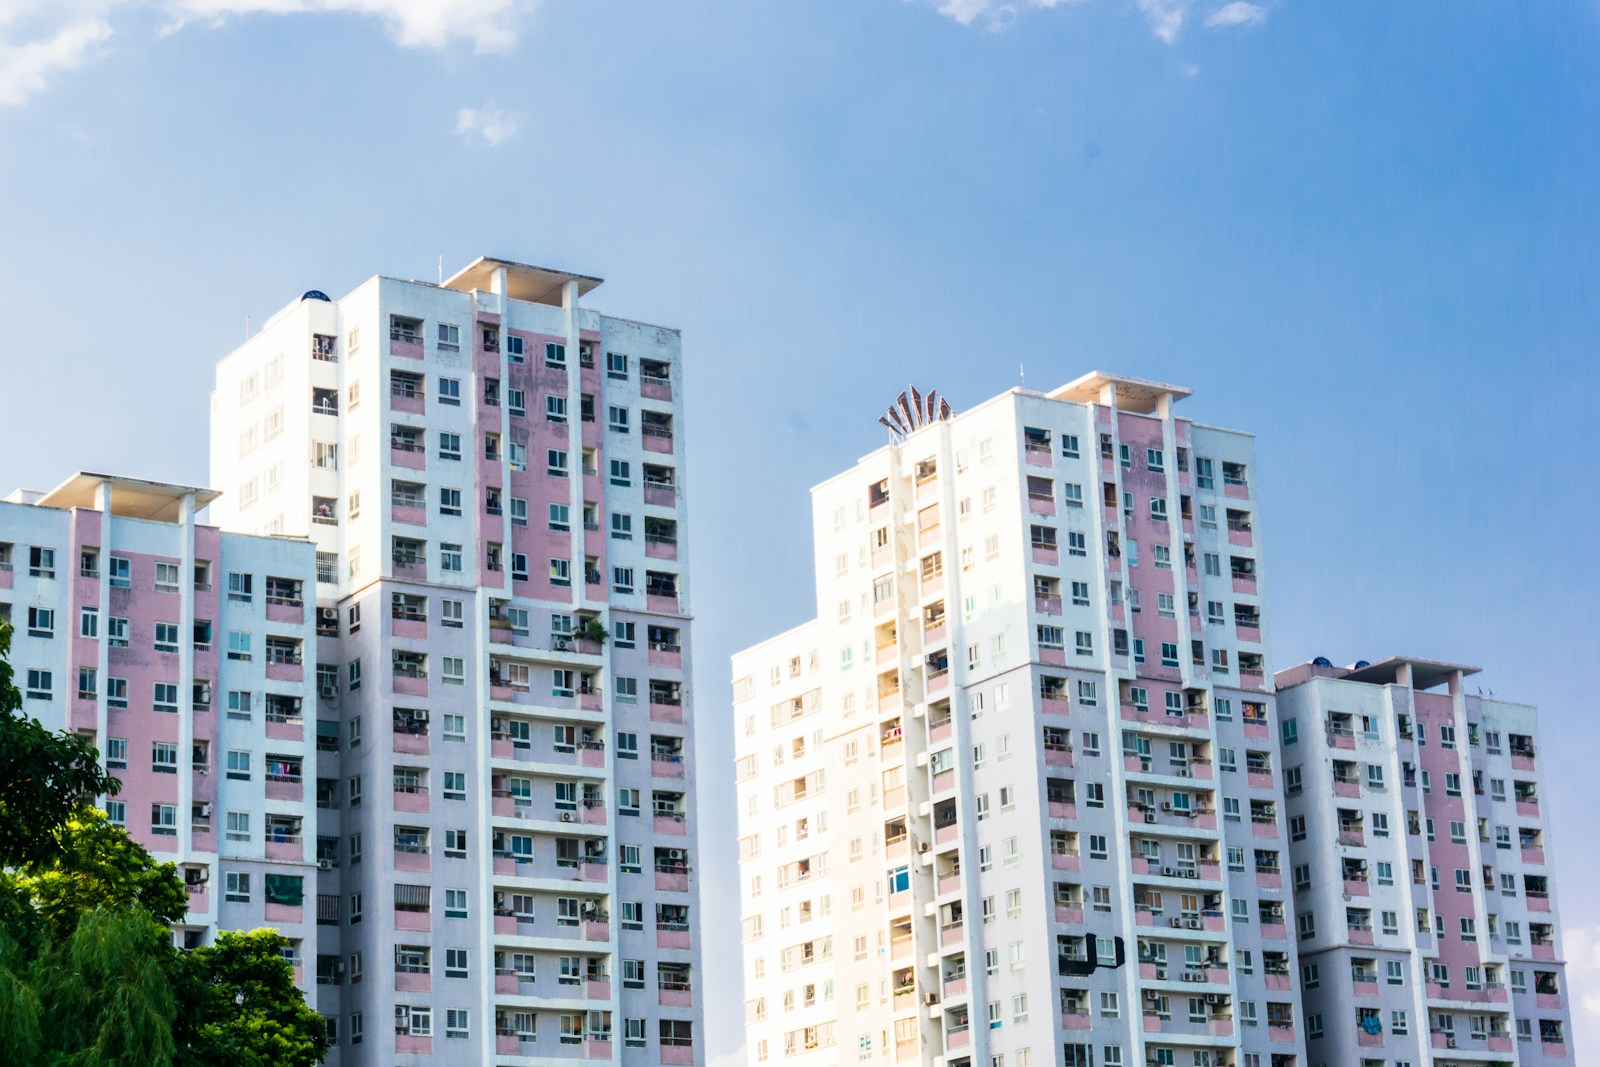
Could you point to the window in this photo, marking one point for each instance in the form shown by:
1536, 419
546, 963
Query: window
236, 887
42, 564
449, 446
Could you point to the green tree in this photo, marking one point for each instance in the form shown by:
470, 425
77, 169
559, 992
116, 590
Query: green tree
104, 994
89, 975
239, 1006
44, 777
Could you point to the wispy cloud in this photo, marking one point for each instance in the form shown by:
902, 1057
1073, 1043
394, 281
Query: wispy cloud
992, 14
489, 123
1237, 13
1581, 945
491, 25
27, 68
41, 39
1165, 17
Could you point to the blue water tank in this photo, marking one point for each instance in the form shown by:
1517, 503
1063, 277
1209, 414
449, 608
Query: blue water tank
316, 294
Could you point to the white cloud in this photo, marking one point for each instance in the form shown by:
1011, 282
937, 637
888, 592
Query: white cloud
26, 68
491, 25
488, 122
1165, 17
40, 39
994, 14
1237, 13
1582, 947
1189, 70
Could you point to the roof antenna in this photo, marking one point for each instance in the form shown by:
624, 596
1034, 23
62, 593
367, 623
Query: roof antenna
441, 268
1022, 377
247, 327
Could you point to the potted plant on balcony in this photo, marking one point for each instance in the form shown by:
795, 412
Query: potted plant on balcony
591, 635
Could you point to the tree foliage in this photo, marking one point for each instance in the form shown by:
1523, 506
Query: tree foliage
240, 1006
89, 974
44, 777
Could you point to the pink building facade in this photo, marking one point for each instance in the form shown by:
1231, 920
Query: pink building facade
180, 651
492, 477
1422, 869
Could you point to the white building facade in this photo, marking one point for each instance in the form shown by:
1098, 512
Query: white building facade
1422, 869
492, 478
1012, 798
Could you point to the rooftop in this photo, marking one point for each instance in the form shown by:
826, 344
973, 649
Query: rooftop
1138, 395
1425, 673
536, 285
132, 498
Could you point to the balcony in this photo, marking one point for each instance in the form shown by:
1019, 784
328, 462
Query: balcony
407, 452
405, 337
655, 388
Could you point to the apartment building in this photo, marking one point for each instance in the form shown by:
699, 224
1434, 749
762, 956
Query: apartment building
492, 478
1013, 797
179, 649
1424, 890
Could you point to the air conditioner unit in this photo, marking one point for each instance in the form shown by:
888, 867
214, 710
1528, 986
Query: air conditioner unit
338, 968
328, 614
205, 810
1176, 922
675, 854
566, 816
1166, 807
931, 999
1195, 924
1161, 975
923, 846
519, 813
1182, 772
1149, 816
1214, 998
1450, 1041
324, 865
1169, 872
561, 644
329, 691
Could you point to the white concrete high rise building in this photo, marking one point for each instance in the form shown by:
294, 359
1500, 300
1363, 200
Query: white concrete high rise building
1422, 869
1012, 798
493, 479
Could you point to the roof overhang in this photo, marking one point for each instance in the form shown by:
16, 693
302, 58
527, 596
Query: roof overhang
132, 498
1138, 395
1425, 673
536, 285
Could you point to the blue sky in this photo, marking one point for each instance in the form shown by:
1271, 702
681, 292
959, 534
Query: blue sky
1368, 233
